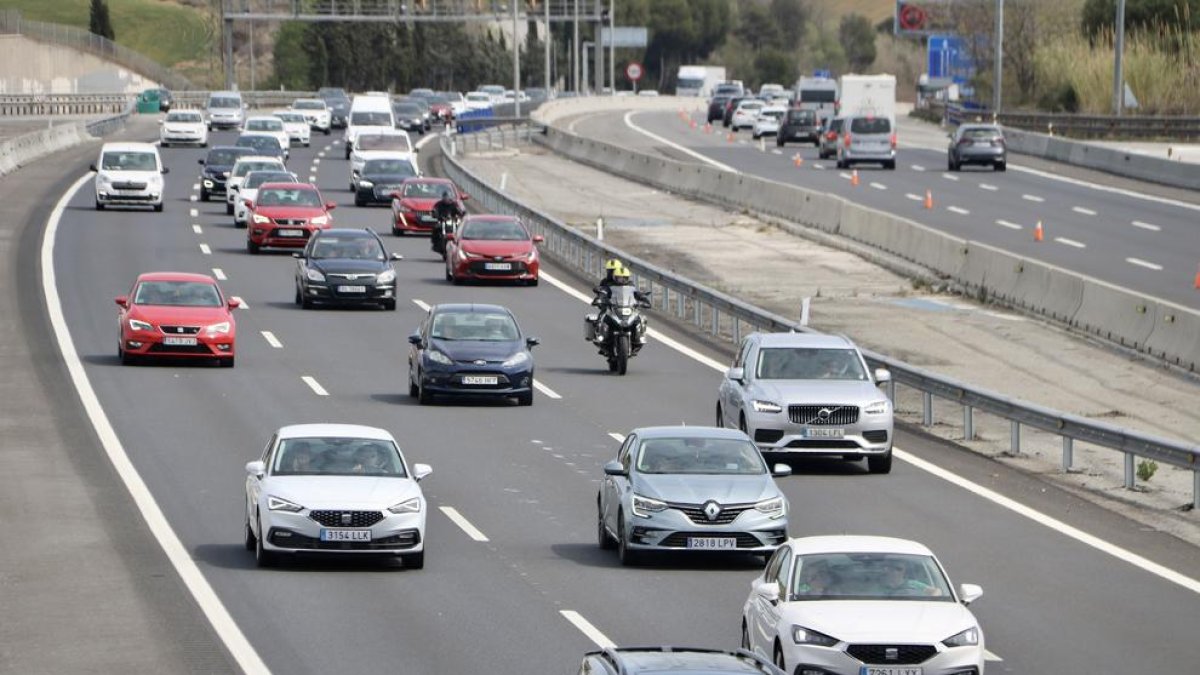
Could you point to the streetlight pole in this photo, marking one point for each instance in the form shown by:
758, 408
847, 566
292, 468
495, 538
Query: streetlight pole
998, 70
516, 64
547, 46
612, 46
1118, 65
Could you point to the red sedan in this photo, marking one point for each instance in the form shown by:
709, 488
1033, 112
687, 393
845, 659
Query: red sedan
495, 248
412, 204
178, 315
285, 215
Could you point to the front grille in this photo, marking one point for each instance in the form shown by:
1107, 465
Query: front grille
180, 330
402, 539
728, 514
291, 221
359, 279
835, 415
357, 518
385, 191
479, 267
160, 348
875, 436
902, 654
767, 435
823, 443
129, 185
679, 539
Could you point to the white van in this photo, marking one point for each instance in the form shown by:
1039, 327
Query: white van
225, 110
129, 174
367, 112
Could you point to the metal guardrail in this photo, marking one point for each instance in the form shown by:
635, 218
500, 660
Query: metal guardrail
1074, 126
33, 105
726, 318
255, 99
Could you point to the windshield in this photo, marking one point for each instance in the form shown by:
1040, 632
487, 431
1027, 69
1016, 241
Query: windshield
798, 363
244, 168
776, 114
423, 190
223, 102
371, 119
691, 82
296, 118
256, 178
700, 456
337, 456
269, 143
482, 326
129, 161
802, 117
407, 109
494, 230
750, 105
818, 95
353, 248
622, 296
870, 125
478, 97
185, 116
223, 157
869, 576
177, 293
728, 90
981, 133
264, 125
391, 167
288, 197
384, 142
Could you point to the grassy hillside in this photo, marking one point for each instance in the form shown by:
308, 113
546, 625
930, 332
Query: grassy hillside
834, 10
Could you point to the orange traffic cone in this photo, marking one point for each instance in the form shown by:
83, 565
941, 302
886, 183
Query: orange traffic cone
854, 177
929, 199
730, 137
708, 128
798, 160
693, 124
1197, 284
1038, 232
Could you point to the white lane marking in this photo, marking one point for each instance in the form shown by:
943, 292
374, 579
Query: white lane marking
195, 187
321, 153
1146, 226
1080, 209
205, 249
819, 167
844, 175
222, 622
915, 198
312, 178
314, 385
917, 167
194, 198
1004, 223
1112, 190
959, 210
587, 629
195, 213
316, 161
620, 438
196, 229
1052, 523
424, 305
950, 176
989, 656
1033, 198
988, 186
219, 274
466, 526
428, 137
879, 186
776, 152
688, 151
1070, 242
244, 305
271, 339
550, 393
1143, 263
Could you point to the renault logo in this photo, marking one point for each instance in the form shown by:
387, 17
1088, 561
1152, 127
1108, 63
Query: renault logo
347, 518
712, 510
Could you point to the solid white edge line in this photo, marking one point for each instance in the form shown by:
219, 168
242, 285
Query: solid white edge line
1146, 226
550, 393
314, 385
421, 303
1144, 263
219, 274
587, 629
205, 249
463, 524
206, 598
271, 339
1080, 209
1105, 188
1052, 523
1070, 242
688, 151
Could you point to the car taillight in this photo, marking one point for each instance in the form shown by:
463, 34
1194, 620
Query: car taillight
847, 138
893, 141
964, 141
831, 135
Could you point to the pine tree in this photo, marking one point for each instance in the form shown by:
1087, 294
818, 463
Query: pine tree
99, 21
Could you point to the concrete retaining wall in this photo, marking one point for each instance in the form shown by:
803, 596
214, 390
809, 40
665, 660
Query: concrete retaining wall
1109, 160
19, 151
32, 67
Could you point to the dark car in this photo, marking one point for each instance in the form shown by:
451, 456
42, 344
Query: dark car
799, 125
677, 660
339, 105
262, 144
831, 129
165, 100
409, 116
470, 350
977, 144
426, 109
380, 179
217, 165
716, 108
345, 267
731, 104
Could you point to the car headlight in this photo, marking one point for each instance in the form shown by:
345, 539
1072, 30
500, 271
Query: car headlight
386, 277
103, 178
876, 407
314, 275
967, 638
775, 508
766, 406
320, 220
407, 506
438, 357
261, 220
219, 328
134, 324
644, 506
516, 359
805, 636
365, 184
280, 504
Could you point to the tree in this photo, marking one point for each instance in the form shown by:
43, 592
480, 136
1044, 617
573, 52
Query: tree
858, 39
775, 65
99, 21
757, 28
790, 17
293, 65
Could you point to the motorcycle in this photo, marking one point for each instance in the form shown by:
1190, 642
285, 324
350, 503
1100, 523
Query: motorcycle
438, 235
619, 329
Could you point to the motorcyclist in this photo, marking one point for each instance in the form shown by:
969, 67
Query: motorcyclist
445, 209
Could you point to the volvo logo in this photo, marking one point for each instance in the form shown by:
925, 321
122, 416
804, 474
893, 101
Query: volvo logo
891, 653
712, 510
824, 413
347, 518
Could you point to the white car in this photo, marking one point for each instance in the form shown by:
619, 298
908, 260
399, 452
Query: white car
458, 103
479, 100
854, 605
129, 174
243, 166
316, 112
768, 121
269, 126
296, 126
183, 126
335, 488
745, 114
391, 141
248, 191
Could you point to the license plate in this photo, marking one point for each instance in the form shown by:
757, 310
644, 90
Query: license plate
428, 219
179, 341
888, 670
345, 535
824, 433
982, 144
497, 267
712, 543
291, 233
352, 289
480, 379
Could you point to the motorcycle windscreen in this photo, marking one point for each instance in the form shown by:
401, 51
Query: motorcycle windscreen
622, 296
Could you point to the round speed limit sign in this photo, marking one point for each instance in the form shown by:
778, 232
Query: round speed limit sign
634, 71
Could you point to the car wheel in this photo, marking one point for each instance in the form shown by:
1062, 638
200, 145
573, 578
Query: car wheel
252, 247
424, 397
158, 208
251, 540
779, 658
413, 561
99, 206
127, 359
745, 636
203, 195
262, 557
742, 424
720, 418
603, 538
626, 555
1002, 166
890, 165
952, 165
880, 463
164, 144
779, 142
228, 209
413, 389
533, 281
359, 201
326, 132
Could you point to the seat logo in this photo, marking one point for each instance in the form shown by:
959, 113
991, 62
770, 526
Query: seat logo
712, 510
347, 518
891, 653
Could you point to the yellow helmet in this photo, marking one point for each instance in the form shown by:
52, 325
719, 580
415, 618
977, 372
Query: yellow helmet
612, 264
622, 272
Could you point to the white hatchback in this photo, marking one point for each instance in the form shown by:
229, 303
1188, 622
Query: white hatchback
237, 174
183, 126
745, 114
768, 121
296, 126
269, 126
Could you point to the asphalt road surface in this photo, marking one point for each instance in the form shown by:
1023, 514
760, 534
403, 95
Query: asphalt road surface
526, 478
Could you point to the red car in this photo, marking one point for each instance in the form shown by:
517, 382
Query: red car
492, 247
177, 315
285, 215
412, 203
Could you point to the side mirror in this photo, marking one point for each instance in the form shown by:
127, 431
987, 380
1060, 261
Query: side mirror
160, 122
420, 471
397, 256
781, 470
415, 339
615, 468
532, 342
256, 469
166, 169
122, 301
329, 206
449, 236
464, 196
537, 239
767, 591
200, 161
735, 374
234, 302
249, 204
92, 167
969, 593
299, 255
882, 375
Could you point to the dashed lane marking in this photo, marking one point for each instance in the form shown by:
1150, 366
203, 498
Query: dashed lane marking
271, 339
195, 213
1080, 209
879, 186
422, 304
587, 628
1004, 223
195, 187
915, 198
219, 274
1033, 198
205, 249
1144, 263
314, 385
950, 176
917, 167
959, 210
1146, 226
620, 438
194, 198
196, 229
988, 186
1070, 242
463, 524
550, 393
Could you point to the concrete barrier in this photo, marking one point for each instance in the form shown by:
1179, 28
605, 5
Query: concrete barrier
1176, 337
1108, 160
1119, 315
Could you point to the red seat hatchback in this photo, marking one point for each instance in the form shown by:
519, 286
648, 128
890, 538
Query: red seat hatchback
176, 315
285, 215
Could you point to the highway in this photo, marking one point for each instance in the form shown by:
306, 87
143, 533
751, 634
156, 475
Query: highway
1126, 237
524, 589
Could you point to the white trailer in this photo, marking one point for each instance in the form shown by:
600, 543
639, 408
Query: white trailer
867, 95
698, 80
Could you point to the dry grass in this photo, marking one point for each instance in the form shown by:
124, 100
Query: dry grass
834, 10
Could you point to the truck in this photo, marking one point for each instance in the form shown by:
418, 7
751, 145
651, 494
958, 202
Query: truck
698, 80
867, 95
818, 94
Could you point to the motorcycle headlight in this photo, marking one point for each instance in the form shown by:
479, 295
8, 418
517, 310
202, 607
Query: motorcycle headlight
366, 184
280, 504
804, 636
134, 324
967, 638
314, 275
438, 357
766, 406
407, 506
219, 328
876, 407
261, 220
386, 277
644, 506
775, 508
516, 360
320, 220
625, 311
